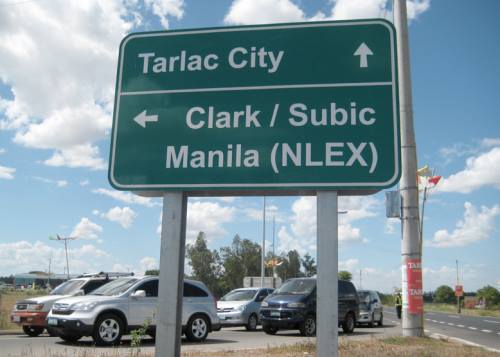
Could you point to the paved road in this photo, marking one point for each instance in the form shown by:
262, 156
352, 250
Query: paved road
480, 330
484, 331
229, 339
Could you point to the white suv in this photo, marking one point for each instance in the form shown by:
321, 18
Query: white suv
126, 304
31, 314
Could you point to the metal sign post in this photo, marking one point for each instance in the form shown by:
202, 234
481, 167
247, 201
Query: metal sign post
327, 298
171, 284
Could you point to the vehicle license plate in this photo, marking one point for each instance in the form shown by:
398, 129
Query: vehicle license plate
16, 318
52, 321
275, 313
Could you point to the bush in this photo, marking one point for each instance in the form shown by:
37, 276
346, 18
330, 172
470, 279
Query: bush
444, 294
490, 295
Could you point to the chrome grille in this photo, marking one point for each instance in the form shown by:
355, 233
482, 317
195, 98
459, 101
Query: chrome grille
60, 307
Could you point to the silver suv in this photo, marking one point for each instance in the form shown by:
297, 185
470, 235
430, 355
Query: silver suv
32, 313
126, 304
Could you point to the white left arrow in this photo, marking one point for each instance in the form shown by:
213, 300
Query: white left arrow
363, 52
142, 118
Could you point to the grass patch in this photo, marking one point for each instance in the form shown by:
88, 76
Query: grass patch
7, 300
449, 308
389, 347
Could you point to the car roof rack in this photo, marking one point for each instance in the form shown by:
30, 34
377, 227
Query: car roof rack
105, 274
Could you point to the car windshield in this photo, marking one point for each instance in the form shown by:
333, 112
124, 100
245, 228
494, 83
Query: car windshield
364, 296
296, 286
239, 295
69, 287
116, 287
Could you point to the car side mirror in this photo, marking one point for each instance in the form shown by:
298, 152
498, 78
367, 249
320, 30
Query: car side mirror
80, 293
260, 298
138, 294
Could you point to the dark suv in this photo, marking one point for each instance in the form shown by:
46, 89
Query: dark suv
293, 306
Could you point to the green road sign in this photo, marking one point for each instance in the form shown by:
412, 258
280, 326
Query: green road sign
295, 107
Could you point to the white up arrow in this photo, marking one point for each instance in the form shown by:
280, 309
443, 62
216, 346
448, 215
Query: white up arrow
363, 52
142, 118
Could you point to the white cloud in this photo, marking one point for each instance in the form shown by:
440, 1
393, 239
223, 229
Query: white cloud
148, 263
263, 12
255, 214
23, 256
62, 72
2, 151
489, 142
84, 182
245, 12
349, 264
165, 8
85, 155
128, 197
474, 227
207, 217
481, 170
302, 234
86, 229
62, 183
7, 173
124, 216
58, 183
356, 9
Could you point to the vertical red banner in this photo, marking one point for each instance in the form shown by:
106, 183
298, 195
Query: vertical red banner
415, 290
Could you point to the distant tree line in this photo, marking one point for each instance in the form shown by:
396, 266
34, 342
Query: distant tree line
223, 270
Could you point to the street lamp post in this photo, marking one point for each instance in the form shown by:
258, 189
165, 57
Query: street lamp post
65, 240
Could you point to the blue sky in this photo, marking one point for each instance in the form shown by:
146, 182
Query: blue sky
57, 72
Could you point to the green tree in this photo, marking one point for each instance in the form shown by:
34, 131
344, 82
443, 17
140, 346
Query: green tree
240, 259
294, 264
290, 267
444, 294
152, 272
309, 265
205, 264
490, 295
345, 275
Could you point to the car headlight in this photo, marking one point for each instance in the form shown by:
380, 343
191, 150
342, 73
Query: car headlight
241, 308
83, 306
264, 304
34, 307
296, 304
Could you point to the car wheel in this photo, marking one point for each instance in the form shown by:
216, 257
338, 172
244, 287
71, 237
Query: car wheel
308, 327
33, 331
270, 330
372, 321
70, 338
197, 328
252, 323
381, 321
349, 323
108, 330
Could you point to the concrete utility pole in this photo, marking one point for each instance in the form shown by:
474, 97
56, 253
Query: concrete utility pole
458, 296
410, 248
